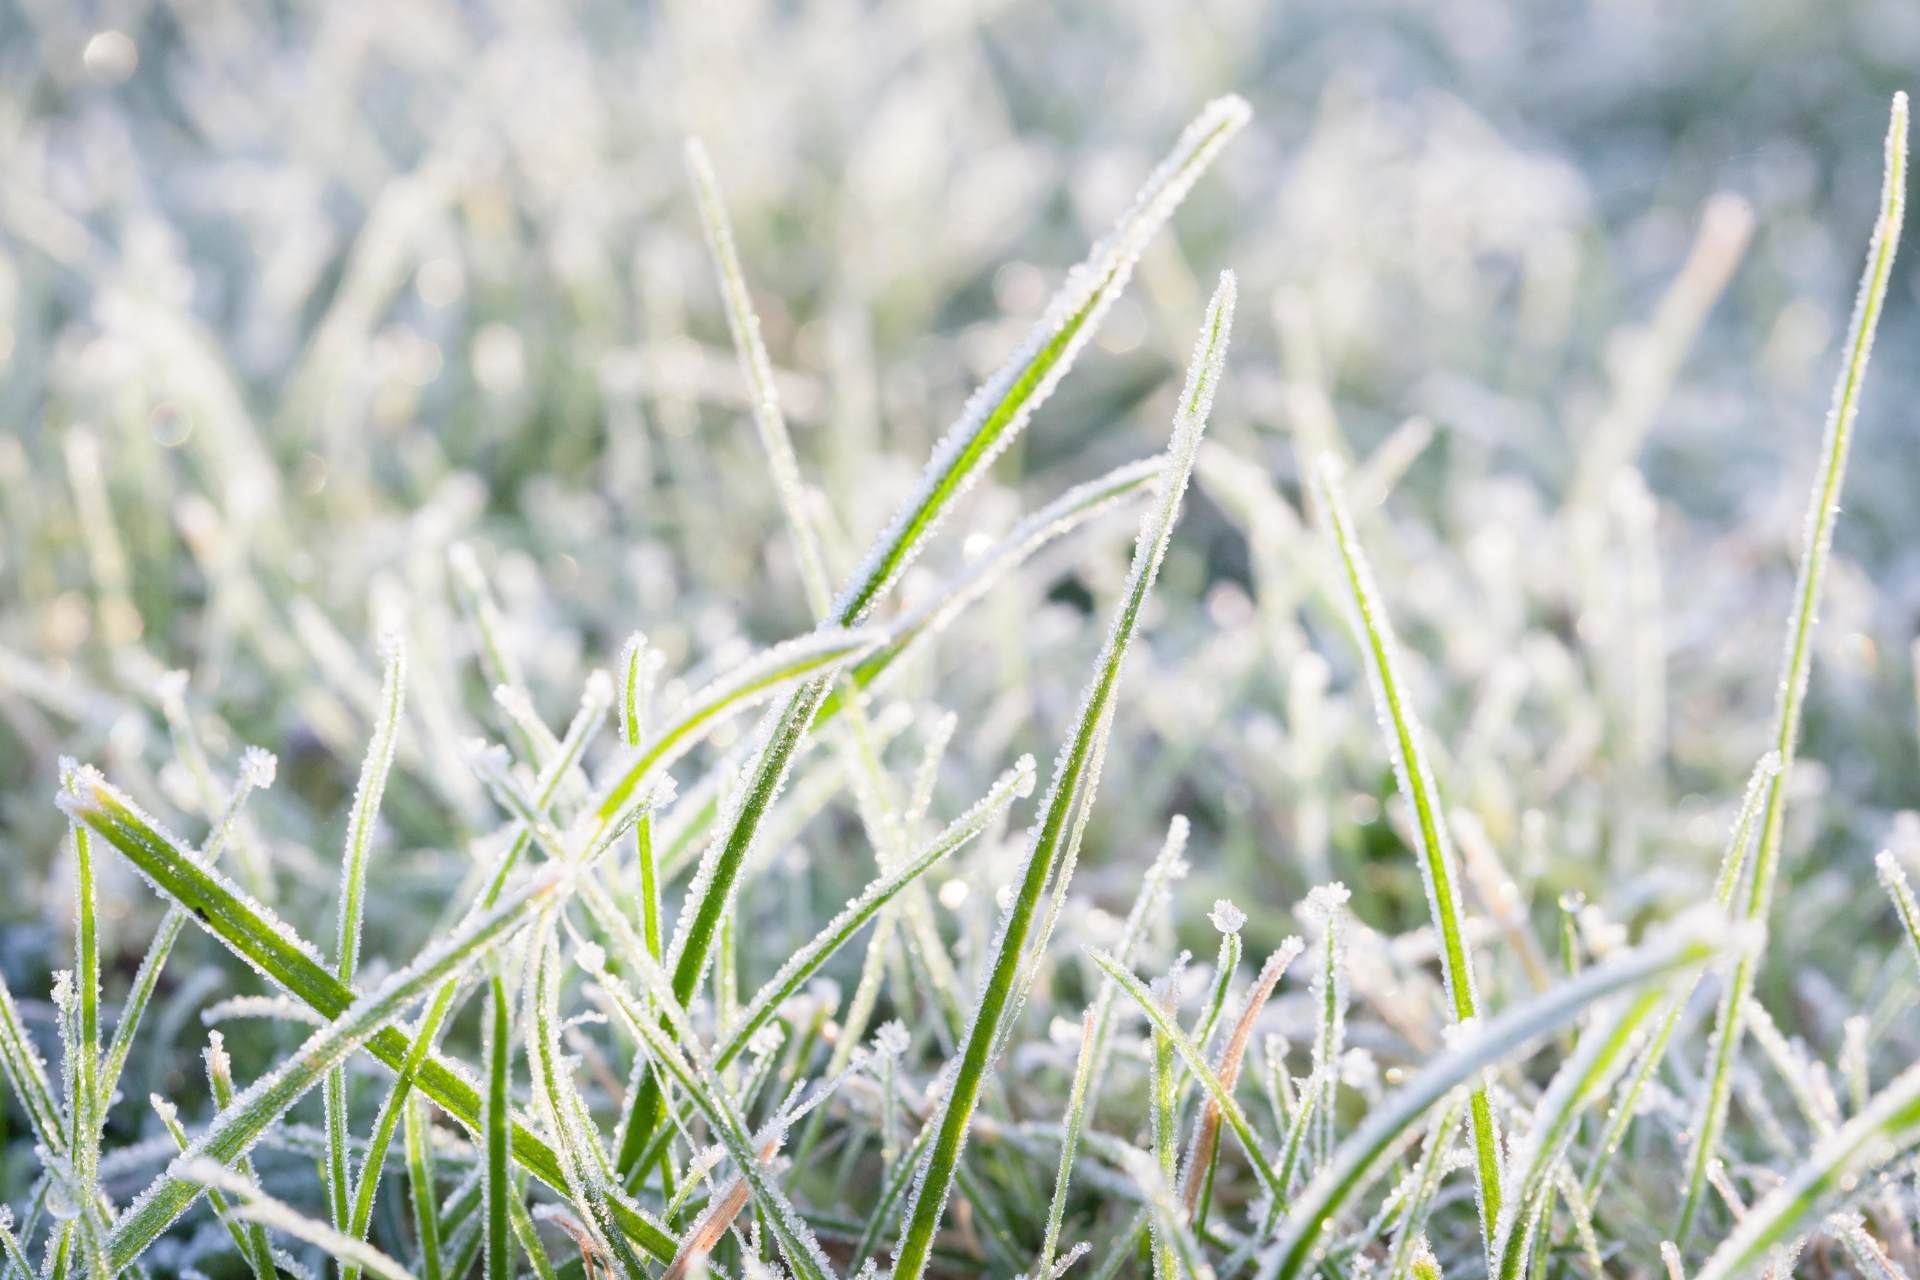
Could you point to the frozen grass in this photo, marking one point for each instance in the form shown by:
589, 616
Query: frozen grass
684, 922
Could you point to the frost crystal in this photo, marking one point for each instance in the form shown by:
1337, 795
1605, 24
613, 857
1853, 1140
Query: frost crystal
1226, 917
893, 1038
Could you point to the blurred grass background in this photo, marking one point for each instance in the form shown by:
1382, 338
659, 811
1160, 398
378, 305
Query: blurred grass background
293, 295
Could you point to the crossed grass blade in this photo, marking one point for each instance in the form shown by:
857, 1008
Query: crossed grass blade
275, 951
1050, 849
1797, 664
993, 416
256, 1206
238, 1126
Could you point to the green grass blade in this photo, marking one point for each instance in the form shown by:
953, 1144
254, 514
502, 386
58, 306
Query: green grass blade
220, 1079
758, 371
1889, 1126
250, 1244
254, 934
999, 410
499, 1189
237, 1127
1797, 665
1090, 1070
1049, 854
421, 1188
993, 416
662, 1030
391, 1111
257, 1206
353, 882
635, 686
1166, 1139
1698, 941
27, 1073
1405, 741
749, 683
1426, 1185
1164, 1024
139, 996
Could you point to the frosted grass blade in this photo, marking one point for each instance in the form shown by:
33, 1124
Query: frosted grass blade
992, 418
1166, 1138
1405, 740
220, 1080
1894, 881
499, 1050
744, 325
1217, 1093
1090, 1071
139, 995
1888, 1127
1606, 1047
353, 881
421, 1190
1697, 940
1797, 662
255, 1205
1426, 1185
1064, 514
1049, 849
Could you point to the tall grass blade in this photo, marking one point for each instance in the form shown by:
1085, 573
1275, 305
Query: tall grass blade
353, 883
499, 1190
1894, 881
1048, 858
421, 1187
1797, 663
758, 371
1374, 634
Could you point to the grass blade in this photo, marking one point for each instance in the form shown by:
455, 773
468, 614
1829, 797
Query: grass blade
499, 1050
1374, 634
1048, 858
1894, 881
1697, 941
1797, 664
758, 370
257, 1206
353, 882
1090, 1070
421, 1189
1217, 1093
1889, 1126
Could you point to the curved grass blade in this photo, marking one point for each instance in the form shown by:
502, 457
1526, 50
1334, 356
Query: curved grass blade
1090, 1070
1698, 941
1374, 634
1889, 1126
353, 883
1076, 776
254, 934
1797, 664
1069, 511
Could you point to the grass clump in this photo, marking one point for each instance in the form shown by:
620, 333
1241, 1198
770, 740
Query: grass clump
627, 1044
